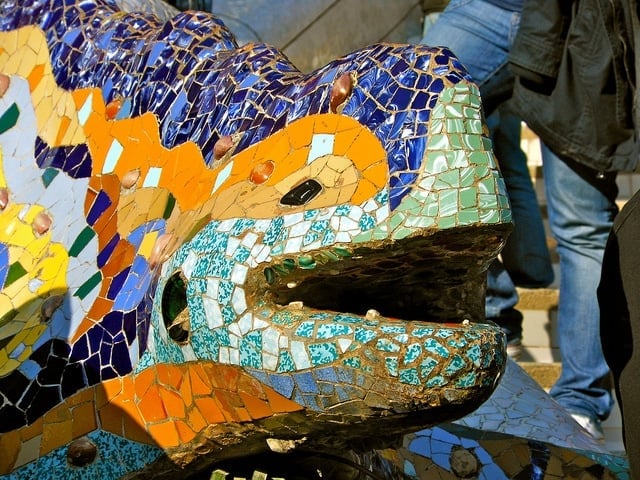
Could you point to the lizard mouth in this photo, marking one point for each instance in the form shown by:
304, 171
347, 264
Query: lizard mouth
434, 278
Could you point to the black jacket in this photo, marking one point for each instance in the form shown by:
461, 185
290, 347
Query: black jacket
575, 84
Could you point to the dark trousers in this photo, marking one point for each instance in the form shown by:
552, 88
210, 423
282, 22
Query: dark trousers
619, 297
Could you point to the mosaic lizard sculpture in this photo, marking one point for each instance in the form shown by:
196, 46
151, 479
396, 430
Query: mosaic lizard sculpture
204, 250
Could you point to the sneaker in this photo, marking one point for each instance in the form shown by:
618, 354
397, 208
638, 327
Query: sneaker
592, 426
514, 349
510, 320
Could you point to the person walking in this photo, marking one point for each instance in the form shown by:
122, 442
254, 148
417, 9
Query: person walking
575, 84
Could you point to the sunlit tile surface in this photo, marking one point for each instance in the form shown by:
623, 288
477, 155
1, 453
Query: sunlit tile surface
182, 220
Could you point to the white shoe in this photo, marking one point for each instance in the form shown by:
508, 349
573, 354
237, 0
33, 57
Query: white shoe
591, 426
514, 350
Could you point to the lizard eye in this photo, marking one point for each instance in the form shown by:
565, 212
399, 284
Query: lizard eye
175, 312
302, 193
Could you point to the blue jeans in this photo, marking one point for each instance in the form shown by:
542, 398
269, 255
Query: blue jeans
481, 34
525, 257
581, 206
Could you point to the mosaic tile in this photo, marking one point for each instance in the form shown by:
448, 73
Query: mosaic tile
195, 238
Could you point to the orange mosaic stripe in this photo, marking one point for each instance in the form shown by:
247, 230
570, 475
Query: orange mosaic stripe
165, 405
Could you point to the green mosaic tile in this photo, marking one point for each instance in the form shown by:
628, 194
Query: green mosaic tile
455, 364
88, 286
456, 142
385, 345
436, 162
421, 222
479, 158
468, 197
490, 216
446, 95
305, 330
453, 111
448, 202
391, 363
412, 353
468, 380
487, 201
457, 159
462, 98
471, 112
332, 330
437, 381
448, 179
396, 219
488, 186
409, 376
427, 366
468, 217
467, 177
436, 126
16, 271
285, 362
323, 353
439, 142
364, 335
433, 346
9, 118
48, 174
473, 142
455, 125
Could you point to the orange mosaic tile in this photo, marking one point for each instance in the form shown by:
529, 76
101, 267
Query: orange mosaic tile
210, 410
164, 434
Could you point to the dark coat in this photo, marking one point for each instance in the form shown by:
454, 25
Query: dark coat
575, 83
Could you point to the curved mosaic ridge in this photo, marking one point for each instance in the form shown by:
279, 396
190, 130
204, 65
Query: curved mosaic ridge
182, 219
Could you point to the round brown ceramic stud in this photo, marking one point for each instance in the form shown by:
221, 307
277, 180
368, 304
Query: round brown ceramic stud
222, 146
160, 251
49, 306
464, 463
4, 198
42, 223
341, 89
81, 452
262, 172
112, 108
130, 178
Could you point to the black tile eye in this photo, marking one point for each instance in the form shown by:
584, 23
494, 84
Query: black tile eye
175, 312
302, 194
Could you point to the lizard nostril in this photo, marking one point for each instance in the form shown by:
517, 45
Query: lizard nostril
175, 312
302, 194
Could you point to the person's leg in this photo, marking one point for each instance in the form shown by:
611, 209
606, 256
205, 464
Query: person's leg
581, 206
620, 321
525, 255
480, 35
